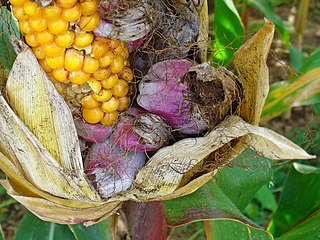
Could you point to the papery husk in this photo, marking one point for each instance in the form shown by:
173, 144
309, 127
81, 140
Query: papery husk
55, 190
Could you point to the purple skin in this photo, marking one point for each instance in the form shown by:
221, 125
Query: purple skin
162, 94
125, 136
107, 6
92, 132
134, 45
112, 169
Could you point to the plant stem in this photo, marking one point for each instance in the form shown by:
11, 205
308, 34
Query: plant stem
301, 20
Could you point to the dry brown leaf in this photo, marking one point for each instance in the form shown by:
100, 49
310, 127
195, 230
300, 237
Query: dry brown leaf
250, 61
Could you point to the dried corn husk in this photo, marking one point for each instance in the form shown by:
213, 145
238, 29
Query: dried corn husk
49, 180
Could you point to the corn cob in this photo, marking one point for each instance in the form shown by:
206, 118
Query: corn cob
92, 73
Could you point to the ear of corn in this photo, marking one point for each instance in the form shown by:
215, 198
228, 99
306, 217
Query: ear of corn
77, 62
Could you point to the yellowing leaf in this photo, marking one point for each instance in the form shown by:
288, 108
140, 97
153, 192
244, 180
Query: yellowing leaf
282, 98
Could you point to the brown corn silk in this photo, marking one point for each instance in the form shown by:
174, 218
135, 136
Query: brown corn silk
48, 177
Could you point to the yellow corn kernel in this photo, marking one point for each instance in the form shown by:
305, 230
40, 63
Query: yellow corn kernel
121, 88
60, 74
89, 7
17, 3
45, 66
109, 118
103, 95
71, 14
126, 74
95, 85
31, 8
110, 82
38, 23
98, 49
57, 26
102, 73
55, 62
53, 50
31, 40
90, 65
113, 44
89, 102
66, 3
111, 105
122, 50
45, 37
107, 59
52, 12
117, 64
25, 27
92, 115
90, 22
102, 39
124, 103
39, 52
19, 13
65, 39
83, 39
73, 60
79, 77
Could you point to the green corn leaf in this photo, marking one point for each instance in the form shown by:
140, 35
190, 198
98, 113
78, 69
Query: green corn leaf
309, 229
228, 32
225, 196
100, 231
243, 178
8, 26
299, 200
311, 62
33, 228
235, 230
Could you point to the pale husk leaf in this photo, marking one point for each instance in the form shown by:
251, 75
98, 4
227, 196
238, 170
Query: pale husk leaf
32, 160
43, 110
48, 117
164, 172
58, 213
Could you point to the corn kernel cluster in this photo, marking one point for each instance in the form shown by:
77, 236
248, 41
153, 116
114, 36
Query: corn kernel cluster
61, 38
